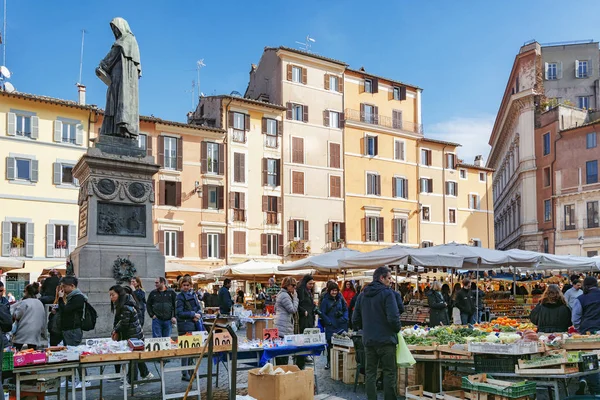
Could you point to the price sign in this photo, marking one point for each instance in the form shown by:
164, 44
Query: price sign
192, 341
312, 331
222, 339
157, 344
270, 334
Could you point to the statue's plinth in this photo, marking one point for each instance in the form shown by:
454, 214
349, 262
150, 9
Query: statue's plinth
115, 220
120, 146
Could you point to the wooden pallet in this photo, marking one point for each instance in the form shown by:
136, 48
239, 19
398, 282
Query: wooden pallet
552, 370
424, 352
417, 393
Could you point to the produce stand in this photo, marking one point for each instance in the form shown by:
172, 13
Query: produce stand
46, 371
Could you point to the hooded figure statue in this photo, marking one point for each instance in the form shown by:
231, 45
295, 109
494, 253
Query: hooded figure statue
120, 71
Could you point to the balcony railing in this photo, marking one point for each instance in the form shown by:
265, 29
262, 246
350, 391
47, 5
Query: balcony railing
239, 215
299, 247
271, 141
61, 253
382, 120
271, 218
17, 251
336, 245
239, 136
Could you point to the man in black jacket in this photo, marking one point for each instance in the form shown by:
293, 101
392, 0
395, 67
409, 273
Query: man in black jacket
49, 286
465, 303
161, 308
377, 314
225, 301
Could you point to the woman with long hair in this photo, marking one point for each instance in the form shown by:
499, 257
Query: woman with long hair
30, 316
306, 309
189, 318
455, 311
552, 314
348, 292
126, 324
438, 314
140, 296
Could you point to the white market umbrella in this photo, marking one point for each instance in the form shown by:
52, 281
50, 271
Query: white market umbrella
548, 261
182, 269
324, 263
401, 255
256, 268
474, 256
10, 263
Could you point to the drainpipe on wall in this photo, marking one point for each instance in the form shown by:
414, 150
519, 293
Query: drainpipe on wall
281, 180
487, 209
552, 191
418, 147
226, 189
444, 192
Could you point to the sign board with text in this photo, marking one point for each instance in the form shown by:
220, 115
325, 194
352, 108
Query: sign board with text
270, 334
192, 341
157, 344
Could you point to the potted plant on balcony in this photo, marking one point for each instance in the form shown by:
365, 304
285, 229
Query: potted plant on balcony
17, 242
16, 247
307, 249
60, 248
293, 245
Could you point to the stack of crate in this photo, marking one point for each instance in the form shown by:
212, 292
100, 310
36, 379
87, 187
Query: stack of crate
414, 375
343, 366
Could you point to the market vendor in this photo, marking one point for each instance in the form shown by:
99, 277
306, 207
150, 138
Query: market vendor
439, 308
225, 301
552, 314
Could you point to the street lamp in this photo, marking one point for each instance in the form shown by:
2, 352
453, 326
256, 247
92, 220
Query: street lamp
581, 239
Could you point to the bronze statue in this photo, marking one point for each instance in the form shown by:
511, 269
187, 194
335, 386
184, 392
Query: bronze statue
120, 71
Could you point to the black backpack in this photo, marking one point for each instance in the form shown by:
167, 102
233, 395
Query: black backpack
88, 319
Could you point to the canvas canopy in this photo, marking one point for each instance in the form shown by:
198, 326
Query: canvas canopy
323, 263
401, 255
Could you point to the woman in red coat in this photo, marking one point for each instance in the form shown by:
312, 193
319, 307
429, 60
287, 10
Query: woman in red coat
349, 292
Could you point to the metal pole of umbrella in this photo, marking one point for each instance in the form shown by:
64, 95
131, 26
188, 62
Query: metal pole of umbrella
514, 281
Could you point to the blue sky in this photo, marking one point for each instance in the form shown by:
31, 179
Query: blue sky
459, 52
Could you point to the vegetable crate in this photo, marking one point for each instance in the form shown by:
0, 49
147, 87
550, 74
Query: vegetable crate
337, 364
417, 393
8, 362
411, 376
454, 352
343, 367
486, 384
495, 363
553, 362
423, 352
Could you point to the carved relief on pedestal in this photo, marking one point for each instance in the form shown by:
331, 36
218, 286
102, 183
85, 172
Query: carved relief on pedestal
118, 219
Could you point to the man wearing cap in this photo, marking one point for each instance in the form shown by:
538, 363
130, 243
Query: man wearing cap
586, 318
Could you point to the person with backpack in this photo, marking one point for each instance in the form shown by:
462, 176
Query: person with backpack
189, 318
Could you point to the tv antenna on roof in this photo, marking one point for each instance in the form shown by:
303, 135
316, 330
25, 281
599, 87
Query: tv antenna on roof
306, 45
199, 64
81, 55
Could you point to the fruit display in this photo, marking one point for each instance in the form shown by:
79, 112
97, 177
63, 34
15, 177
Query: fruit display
505, 324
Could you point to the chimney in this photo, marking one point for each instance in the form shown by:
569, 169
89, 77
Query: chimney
478, 160
81, 91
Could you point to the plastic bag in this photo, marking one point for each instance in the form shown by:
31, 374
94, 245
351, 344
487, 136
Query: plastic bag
403, 357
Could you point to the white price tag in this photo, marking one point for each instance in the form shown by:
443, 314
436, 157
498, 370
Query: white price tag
157, 344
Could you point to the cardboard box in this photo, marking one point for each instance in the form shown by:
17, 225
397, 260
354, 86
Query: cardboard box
37, 357
299, 385
40, 385
62, 356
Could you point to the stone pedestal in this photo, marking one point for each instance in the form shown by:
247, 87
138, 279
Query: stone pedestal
115, 220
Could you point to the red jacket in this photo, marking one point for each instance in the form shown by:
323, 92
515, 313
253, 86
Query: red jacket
348, 295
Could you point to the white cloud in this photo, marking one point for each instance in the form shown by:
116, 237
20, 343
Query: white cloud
472, 132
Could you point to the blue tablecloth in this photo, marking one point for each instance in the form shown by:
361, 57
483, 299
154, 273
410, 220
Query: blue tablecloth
313, 349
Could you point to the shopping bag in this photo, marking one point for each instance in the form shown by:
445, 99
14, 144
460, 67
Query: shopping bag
403, 357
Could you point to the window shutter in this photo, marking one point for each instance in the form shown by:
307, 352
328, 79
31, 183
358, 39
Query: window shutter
342, 230
220, 197
429, 157
288, 113
161, 241
264, 126
222, 246
50, 240
148, 145
6, 229
456, 189
326, 117
378, 185
35, 127
304, 76
430, 185
376, 145
265, 169
280, 245
34, 170
326, 82
232, 200
301, 182
402, 150
546, 71
203, 245
375, 85
289, 72
161, 152
203, 156
395, 236
394, 180
341, 84
263, 244
306, 230
590, 69
72, 238
330, 232
30, 231
180, 244
161, 193
470, 202
380, 229
236, 167
334, 155
403, 93
265, 203
57, 173
205, 197
362, 112
11, 129
58, 131
447, 187
304, 113
242, 237
405, 188
301, 150
246, 122
365, 229
280, 128
559, 70
375, 115
178, 194
291, 230
231, 119
221, 159
79, 136
342, 120
179, 154
576, 68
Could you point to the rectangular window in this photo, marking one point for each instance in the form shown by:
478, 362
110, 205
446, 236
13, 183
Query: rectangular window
451, 188
591, 172
170, 152
272, 127
592, 253
451, 216
170, 193
373, 184
401, 188
333, 83
272, 244
296, 74
299, 229
582, 69
237, 201
18, 242
212, 154
369, 116
213, 198
396, 93
476, 243
426, 185
297, 150
546, 246
551, 71
212, 245
399, 150
426, 243
336, 232
334, 155
547, 176
450, 161
583, 102
546, 142
592, 214
425, 157
239, 167
272, 203
297, 182
239, 121
23, 127
335, 186
426, 213
61, 240
272, 172
69, 133
372, 229
170, 243
474, 202
569, 217
298, 112
591, 140
482, 177
67, 174
371, 143
463, 174
547, 210
400, 226
23, 169
143, 141
334, 119
368, 86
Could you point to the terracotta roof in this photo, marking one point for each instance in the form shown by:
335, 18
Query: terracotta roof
250, 101
308, 54
49, 100
357, 71
440, 142
475, 167
179, 124
584, 125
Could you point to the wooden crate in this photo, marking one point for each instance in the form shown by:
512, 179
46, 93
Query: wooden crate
337, 365
411, 376
539, 362
551, 370
349, 365
417, 393
423, 352
454, 395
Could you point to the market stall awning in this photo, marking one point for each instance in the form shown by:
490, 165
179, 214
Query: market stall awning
547, 261
323, 263
401, 255
174, 269
253, 268
10, 263
474, 256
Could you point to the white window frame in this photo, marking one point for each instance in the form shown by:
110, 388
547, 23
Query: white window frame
170, 155
368, 138
212, 158
549, 68
426, 186
272, 175
295, 108
336, 231
142, 137
374, 237
272, 244
396, 93
296, 74
334, 116
239, 121
480, 175
477, 204
369, 117
401, 179
423, 207
70, 128
403, 144
398, 221
333, 83
210, 189
455, 187
583, 102
453, 166
548, 217
62, 174
212, 246
460, 174
299, 229
374, 185
370, 84
455, 216
23, 117
272, 127
17, 178
170, 243
582, 69
421, 157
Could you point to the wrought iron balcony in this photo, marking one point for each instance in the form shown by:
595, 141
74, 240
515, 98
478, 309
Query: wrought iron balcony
299, 247
239, 215
239, 136
271, 218
271, 141
382, 120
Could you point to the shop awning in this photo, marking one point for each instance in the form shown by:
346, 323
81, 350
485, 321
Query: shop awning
401, 255
174, 269
10, 263
324, 263
548, 261
474, 256
253, 268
